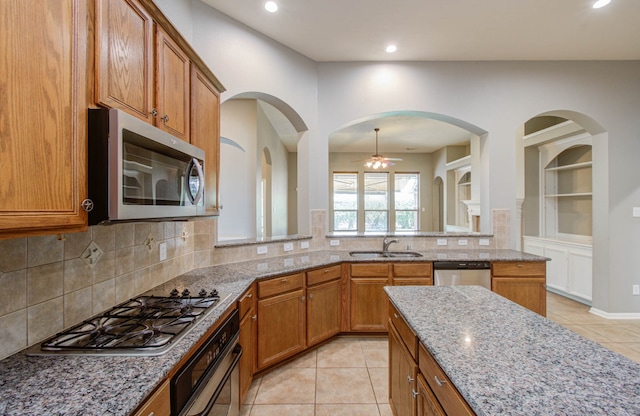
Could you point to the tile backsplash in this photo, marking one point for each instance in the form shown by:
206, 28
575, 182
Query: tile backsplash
52, 282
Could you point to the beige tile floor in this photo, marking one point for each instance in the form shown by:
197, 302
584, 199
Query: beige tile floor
349, 375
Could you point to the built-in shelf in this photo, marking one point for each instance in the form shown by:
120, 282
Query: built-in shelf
575, 194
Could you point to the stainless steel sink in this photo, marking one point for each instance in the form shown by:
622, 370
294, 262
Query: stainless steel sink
380, 254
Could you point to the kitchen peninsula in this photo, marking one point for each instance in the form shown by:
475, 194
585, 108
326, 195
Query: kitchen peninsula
117, 385
503, 359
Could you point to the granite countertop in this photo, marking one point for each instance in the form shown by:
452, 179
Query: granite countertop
116, 385
505, 359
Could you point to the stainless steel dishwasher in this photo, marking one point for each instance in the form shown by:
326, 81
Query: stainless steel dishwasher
459, 273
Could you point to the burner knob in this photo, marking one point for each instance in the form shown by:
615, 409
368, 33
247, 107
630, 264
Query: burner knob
202, 293
185, 293
174, 293
214, 293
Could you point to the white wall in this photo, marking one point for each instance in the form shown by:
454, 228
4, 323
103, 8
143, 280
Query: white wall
495, 96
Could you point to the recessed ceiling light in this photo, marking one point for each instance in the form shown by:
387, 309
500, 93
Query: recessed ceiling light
271, 6
600, 3
391, 48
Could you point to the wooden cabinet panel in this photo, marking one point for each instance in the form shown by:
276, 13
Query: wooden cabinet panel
247, 341
280, 285
448, 397
325, 274
324, 311
529, 268
368, 305
412, 269
405, 333
124, 57
427, 403
281, 327
205, 133
529, 292
370, 270
246, 302
159, 404
172, 84
403, 372
43, 102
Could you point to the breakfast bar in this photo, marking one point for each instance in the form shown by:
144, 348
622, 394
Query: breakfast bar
504, 359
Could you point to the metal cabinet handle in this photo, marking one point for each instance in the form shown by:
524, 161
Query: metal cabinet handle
254, 317
395, 315
414, 393
326, 270
311, 296
154, 112
410, 380
440, 382
303, 299
165, 118
249, 295
283, 281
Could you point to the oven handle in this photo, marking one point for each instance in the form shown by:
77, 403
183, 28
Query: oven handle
238, 351
194, 164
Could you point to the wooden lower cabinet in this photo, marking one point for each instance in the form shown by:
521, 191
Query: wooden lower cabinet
427, 403
521, 282
324, 311
248, 317
403, 372
281, 327
369, 305
158, 404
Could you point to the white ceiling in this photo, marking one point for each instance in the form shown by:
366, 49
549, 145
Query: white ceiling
436, 30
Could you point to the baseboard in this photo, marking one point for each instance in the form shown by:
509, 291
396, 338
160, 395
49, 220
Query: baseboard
608, 315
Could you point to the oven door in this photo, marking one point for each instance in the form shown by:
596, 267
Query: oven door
218, 394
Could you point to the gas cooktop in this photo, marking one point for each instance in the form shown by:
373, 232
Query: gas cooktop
145, 325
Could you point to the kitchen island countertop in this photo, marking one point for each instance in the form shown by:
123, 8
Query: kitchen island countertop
507, 360
116, 385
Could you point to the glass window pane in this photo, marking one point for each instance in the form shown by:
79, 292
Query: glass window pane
345, 191
406, 220
406, 191
375, 221
345, 220
376, 187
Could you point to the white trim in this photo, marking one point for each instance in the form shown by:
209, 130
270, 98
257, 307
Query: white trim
608, 315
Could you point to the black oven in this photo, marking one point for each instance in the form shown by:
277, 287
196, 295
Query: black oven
208, 385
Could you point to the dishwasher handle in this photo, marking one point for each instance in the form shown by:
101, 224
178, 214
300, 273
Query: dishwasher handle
461, 265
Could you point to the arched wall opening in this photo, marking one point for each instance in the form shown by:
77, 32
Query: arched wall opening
255, 122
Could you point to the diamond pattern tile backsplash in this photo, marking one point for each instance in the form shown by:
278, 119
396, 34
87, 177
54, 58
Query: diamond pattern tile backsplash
52, 282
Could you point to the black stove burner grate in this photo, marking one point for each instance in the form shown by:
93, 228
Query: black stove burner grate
145, 322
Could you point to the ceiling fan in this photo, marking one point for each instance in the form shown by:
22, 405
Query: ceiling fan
378, 161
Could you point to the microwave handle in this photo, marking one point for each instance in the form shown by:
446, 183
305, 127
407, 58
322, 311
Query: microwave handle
194, 198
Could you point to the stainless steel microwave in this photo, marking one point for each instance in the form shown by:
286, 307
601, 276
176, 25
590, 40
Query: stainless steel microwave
139, 172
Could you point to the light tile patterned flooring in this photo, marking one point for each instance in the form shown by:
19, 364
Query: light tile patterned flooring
349, 375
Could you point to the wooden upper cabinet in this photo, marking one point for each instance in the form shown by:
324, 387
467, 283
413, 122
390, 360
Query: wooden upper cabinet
43, 133
172, 87
205, 132
124, 57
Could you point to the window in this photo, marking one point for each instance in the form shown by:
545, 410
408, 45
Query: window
376, 201
406, 201
345, 201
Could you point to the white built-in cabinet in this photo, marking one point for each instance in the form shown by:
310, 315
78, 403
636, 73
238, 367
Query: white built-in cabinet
563, 209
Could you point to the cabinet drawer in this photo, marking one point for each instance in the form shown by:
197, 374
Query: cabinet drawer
370, 270
412, 269
245, 303
522, 268
449, 398
159, 404
407, 335
324, 275
280, 285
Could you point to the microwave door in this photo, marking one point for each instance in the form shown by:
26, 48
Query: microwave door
194, 181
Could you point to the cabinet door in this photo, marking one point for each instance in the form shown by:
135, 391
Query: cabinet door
427, 403
124, 57
402, 377
159, 404
247, 341
369, 305
324, 311
43, 104
529, 292
281, 322
205, 133
172, 86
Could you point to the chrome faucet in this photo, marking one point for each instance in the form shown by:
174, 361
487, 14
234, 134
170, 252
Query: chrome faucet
386, 243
